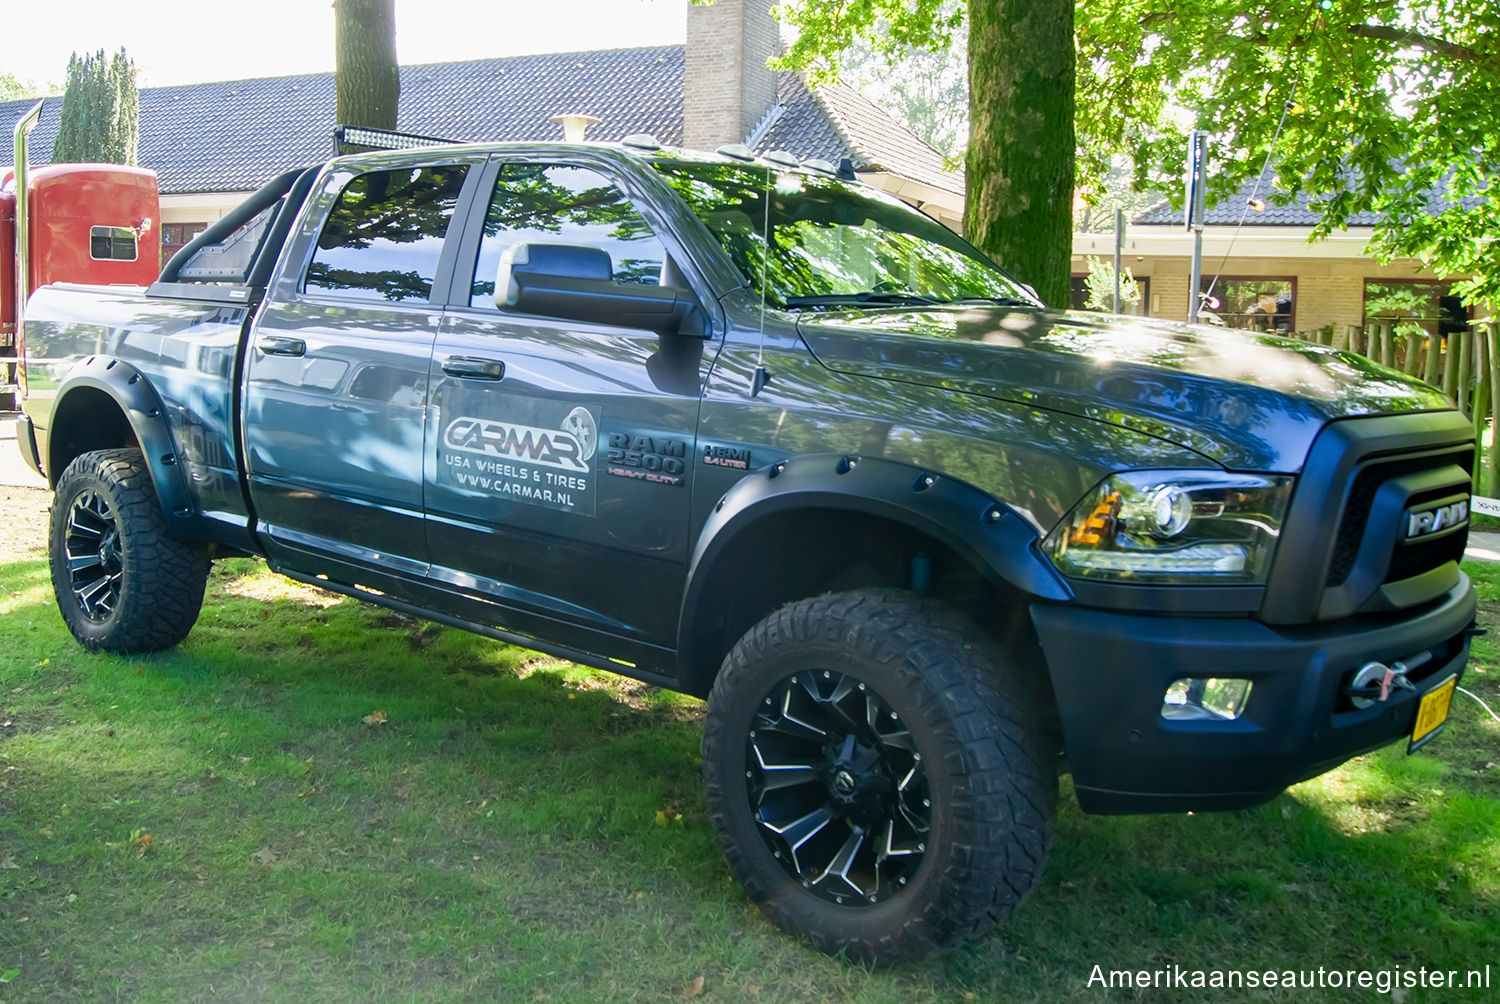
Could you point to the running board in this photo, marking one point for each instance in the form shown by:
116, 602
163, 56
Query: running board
509, 637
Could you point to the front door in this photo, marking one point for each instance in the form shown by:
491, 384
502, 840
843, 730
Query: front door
559, 470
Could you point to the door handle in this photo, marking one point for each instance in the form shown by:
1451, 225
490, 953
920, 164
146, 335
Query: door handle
276, 345
472, 368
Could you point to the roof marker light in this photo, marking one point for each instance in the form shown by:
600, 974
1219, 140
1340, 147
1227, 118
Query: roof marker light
641, 141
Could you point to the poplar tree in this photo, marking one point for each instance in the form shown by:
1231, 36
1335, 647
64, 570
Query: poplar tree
100, 119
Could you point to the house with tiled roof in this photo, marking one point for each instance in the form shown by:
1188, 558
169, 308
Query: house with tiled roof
212, 143
1260, 270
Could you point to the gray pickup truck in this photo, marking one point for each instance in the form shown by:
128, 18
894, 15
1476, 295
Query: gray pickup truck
752, 431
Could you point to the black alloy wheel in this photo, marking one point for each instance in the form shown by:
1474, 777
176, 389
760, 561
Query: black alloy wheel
877, 774
91, 547
122, 582
838, 787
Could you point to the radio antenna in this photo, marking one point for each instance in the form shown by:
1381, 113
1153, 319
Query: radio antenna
760, 377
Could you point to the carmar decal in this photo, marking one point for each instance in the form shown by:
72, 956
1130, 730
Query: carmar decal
727, 456
523, 456
657, 460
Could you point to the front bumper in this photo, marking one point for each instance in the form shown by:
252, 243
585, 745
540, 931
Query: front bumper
1110, 671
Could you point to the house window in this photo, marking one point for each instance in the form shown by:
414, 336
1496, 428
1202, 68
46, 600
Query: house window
1415, 306
1078, 296
175, 236
1257, 304
112, 244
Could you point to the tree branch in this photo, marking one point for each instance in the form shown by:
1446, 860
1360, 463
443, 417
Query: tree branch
1414, 39
1381, 33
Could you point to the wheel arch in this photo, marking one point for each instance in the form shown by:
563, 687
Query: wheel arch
843, 521
106, 403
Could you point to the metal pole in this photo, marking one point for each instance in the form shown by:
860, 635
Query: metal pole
1119, 248
1194, 208
22, 130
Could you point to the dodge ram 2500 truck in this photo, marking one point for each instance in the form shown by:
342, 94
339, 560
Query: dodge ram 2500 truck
753, 431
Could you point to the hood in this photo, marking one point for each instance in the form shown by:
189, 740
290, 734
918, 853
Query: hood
1247, 401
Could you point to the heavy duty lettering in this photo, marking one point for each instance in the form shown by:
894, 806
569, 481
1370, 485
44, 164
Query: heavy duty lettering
646, 458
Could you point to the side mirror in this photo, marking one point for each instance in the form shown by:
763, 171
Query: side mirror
576, 282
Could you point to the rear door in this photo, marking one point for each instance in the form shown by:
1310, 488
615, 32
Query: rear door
560, 470
337, 371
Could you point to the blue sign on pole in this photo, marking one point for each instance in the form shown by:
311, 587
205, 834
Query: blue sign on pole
1192, 205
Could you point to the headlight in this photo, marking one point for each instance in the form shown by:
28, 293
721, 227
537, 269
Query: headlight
1173, 526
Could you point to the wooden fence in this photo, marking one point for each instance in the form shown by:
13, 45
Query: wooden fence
1465, 365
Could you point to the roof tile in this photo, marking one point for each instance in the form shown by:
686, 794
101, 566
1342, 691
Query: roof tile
233, 135
1281, 210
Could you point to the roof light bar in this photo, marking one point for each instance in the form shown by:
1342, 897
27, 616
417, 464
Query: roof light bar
357, 139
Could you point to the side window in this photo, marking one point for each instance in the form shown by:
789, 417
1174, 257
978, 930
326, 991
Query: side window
112, 244
383, 238
555, 204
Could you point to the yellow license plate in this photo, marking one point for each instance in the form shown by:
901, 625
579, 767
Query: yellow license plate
1432, 712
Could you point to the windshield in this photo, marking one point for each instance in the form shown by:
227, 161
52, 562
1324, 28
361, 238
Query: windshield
833, 243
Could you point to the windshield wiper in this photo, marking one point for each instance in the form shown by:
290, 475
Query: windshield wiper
868, 297
998, 301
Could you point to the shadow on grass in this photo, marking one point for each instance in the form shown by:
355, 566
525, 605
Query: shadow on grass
508, 829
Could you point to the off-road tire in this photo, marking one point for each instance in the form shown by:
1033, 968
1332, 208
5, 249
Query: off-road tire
122, 583
989, 777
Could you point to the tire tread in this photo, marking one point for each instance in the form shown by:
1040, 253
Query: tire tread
1005, 802
163, 593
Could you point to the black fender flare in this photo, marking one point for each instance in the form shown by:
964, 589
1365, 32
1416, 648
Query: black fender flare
133, 394
999, 542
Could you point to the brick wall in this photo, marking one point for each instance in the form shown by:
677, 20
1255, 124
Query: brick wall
728, 87
1327, 299
1328, 291
1168, 296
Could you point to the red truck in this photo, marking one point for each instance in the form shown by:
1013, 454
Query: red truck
89, 223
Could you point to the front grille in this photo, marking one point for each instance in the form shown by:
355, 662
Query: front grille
1342, 549
1406, 560
1357, 510
1414, 559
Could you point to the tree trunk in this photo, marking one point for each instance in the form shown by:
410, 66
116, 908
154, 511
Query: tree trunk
1019, 206
365, 69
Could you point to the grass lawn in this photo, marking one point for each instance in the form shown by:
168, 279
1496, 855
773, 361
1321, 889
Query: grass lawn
316, 800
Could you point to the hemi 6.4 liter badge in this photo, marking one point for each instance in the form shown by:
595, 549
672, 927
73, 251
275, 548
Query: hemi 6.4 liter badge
1431, 520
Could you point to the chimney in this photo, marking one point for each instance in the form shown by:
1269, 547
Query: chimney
727, 87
